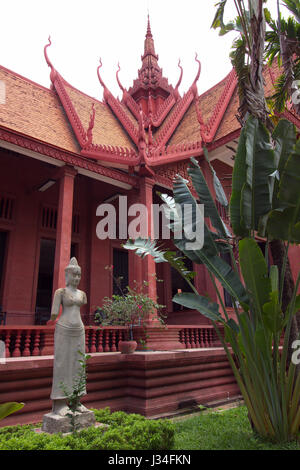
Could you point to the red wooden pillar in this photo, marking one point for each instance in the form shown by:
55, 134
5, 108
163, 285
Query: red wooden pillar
64, 226
154, 336
148, 264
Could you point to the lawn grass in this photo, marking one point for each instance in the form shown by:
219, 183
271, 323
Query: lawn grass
209, 430
222, 430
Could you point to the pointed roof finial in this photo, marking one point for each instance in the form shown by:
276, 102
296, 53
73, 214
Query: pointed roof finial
179, 81
49, 63
194, 86
106, 91
149, 33
118, 80
149, 42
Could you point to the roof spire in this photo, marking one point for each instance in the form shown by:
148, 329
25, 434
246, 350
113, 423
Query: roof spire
149, 43
150, 74
149, 33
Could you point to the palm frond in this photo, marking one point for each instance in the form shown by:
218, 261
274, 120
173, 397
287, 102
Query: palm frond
294, 7
144, 247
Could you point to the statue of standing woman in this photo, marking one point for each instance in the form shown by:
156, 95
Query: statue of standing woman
69, 339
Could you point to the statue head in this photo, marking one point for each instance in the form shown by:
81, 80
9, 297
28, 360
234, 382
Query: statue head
73, 273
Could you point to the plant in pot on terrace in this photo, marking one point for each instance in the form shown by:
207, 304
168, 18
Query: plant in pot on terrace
131, 308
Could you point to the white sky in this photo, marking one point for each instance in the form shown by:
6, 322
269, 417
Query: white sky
84, 30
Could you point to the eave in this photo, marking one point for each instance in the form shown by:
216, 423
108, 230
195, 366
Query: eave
28, 146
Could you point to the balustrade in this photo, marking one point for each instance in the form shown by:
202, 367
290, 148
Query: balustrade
199, 336
26, 341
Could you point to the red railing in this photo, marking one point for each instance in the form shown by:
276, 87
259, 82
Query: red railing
203, 336
105, 339
26, 341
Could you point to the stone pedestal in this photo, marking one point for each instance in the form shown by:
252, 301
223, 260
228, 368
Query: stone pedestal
53, 423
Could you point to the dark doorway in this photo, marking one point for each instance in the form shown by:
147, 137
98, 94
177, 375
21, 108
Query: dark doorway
3, 247
120, 271
74, 251
45, 280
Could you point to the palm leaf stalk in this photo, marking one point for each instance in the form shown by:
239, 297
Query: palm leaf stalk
247, 56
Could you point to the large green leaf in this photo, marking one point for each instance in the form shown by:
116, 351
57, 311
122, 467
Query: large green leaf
9, 408
205, 306
146, 247
210, 209
218, 21
284, 136
238, 181
289, 189
280, 226
252, 178
260, 165
272, 314
184, 198
255, 272
209, 255
284, 222
219, 190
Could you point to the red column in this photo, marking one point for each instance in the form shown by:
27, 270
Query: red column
154, 335
64, 226
148, 264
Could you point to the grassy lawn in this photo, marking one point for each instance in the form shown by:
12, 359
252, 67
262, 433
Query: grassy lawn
210, 430
222, 430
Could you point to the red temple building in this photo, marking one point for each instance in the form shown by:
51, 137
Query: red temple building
62, 154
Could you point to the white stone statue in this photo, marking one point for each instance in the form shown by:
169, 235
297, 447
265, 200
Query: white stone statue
69, 338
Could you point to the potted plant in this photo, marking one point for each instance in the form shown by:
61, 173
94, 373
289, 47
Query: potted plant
131, 308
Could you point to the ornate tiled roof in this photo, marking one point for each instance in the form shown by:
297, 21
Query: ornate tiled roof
107, 130
125, 132
35, 111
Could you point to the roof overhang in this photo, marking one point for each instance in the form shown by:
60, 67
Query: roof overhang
23, 145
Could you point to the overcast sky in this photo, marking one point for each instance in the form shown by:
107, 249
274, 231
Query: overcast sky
84, 30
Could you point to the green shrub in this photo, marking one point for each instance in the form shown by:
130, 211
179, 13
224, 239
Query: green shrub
126, 432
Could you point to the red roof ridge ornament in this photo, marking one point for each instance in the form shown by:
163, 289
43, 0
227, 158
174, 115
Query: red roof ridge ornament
194, 85
176, 92
49, 63
89, 132
106, 90
118, 80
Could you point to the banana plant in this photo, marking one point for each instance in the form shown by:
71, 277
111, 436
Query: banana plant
264, 183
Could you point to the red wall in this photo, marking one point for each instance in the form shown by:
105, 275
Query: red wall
20, 177
146, 383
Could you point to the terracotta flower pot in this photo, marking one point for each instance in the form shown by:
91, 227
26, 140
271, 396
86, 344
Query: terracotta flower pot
127, 347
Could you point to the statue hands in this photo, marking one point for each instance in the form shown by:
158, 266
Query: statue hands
52, 320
